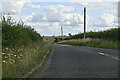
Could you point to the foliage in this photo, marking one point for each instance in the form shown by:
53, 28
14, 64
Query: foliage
22, 48
17, 34
57, 39
111, 34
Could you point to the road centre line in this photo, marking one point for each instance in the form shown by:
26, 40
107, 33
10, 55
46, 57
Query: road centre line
113, 57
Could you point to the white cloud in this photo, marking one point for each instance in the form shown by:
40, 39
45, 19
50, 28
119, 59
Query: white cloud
107, 20
36, 17
72, 19
12, 7
55, 13
114, 12
96, 5
30, 4
46, 28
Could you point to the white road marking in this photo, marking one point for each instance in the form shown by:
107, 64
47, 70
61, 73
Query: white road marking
114, 57
101, 53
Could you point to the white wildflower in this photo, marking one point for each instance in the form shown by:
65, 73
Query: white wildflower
18, 57
21, 55
6, 57
13, 60
3, 53
3, 61
12, 49
6, 48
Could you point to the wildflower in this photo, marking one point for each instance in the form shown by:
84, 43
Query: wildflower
21, 55
18, 57
3, 53
6, 57
3, 61
7, 48
12, 49
13, 60
18, 50
15, 55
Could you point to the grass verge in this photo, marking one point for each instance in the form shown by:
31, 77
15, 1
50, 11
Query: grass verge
100, 43
19, 61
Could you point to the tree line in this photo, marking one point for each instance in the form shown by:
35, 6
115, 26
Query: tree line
111, 34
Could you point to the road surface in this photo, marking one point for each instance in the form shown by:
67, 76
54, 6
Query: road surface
68, 61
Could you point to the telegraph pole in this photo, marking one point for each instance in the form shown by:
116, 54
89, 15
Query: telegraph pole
84, 22
61, 31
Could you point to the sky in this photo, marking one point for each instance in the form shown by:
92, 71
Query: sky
48, 17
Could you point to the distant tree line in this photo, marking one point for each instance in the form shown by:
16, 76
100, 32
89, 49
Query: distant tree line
16, 33
111, 34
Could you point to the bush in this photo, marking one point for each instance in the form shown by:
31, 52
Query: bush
111, 34
17, 34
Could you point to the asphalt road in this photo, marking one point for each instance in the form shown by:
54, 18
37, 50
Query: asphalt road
68, 61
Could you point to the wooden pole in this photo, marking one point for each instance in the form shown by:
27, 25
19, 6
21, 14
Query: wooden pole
61, 31
84, 22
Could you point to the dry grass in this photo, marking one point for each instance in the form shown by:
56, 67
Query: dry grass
19, 61
92, 43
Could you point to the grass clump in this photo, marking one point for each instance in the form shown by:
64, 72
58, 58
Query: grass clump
100, 43
19, 61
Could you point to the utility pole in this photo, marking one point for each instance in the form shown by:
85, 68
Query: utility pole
62, 31
84, 22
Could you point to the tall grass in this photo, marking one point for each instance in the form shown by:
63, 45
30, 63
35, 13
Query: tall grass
100, 43
19, 61
22, 48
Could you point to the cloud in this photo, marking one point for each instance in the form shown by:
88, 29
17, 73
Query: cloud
106, 20
53, 13
30, 4
72, 19
46, 28
56, 13
12, 7
96, 5
119, 14
36, 17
